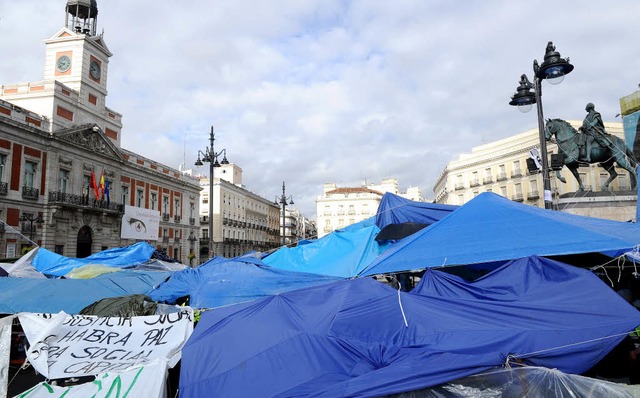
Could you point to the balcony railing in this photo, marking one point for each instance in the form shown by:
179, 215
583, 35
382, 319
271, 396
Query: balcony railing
192, 221
533, 195
516, 174
459, 186
474, 183
72, 200
165, 217
517, 197
30, 193
4, 188
165, 239
502, 176
487, 180
176, 219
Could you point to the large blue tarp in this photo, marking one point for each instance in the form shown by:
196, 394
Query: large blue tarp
221, 282
50, 263
343, 253
361, 338
394, 209
72, 295
492, 228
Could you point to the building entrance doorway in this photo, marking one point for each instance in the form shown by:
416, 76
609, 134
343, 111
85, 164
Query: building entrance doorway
84, 242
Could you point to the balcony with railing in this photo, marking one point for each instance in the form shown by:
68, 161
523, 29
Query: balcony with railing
502, 176
532, 195
176, 219
165, 217
192, 221
165, 239
459, 185
30, 193
474, 183
78, 201
487, 180
516, 173
4, 188
517, 197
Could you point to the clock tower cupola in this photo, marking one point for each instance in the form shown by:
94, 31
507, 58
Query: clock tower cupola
82, 16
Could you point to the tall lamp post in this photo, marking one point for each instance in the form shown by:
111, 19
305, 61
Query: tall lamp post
209, 155
553, 70
283, 200
29, 218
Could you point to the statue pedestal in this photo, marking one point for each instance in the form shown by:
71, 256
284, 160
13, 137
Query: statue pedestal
611, 205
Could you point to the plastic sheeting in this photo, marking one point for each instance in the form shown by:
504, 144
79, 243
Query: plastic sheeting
221, 282
362, 338
394, 209
492, 228
343, 253
50, 263
72, 295
530, 382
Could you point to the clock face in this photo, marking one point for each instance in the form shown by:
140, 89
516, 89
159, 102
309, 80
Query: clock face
63, 63
94, 70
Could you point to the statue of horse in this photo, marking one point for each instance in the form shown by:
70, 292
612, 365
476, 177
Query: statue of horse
567, 139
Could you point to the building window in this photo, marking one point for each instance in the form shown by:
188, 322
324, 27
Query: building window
176, 207
503, 191
140, 198
63, 180
59, 249
154, 200
165, 205
125, 195
192, 209
3, 162
29, 174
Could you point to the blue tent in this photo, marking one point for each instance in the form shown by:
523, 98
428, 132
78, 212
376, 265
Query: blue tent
50, 263
343, 253
491, 228
221, 282
361, 338
394, 209
72, 295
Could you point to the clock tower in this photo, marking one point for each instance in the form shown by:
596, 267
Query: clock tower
76, 56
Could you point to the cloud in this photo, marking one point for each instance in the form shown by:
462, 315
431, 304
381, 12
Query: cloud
333, 91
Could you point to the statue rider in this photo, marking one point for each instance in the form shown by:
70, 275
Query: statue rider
594, 127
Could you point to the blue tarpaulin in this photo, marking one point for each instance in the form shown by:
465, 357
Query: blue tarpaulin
491, 228
359, 337
72, 295
343, 253
221, 282
50, 263
394, 209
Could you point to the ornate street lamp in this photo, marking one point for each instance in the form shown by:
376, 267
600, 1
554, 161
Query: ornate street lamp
209, 155
553, 69
29, 218
283, 200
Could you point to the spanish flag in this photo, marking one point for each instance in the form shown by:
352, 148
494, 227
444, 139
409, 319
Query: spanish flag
101, 186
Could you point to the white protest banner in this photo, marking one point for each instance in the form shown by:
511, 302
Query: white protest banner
138, 381
5, 353
64, 345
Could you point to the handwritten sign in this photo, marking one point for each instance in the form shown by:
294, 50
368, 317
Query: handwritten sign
139, 381
63, 345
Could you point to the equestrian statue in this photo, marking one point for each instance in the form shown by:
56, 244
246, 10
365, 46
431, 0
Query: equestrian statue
591, 145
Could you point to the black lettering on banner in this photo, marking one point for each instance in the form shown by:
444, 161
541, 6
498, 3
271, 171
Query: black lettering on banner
155, 336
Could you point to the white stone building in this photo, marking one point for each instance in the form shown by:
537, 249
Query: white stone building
242, 220
501, 167
340, 207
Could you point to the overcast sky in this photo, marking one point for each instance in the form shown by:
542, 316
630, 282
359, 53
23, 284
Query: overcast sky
319, 91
